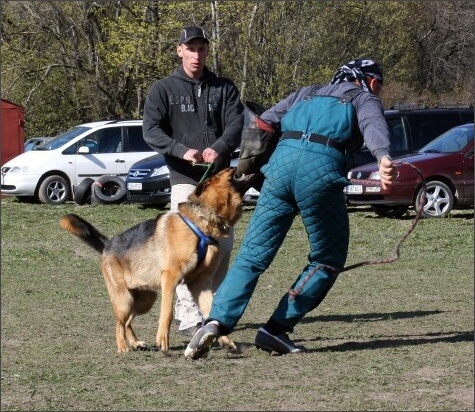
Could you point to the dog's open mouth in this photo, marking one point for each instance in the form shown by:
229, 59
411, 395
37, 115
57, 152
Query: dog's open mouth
244, 182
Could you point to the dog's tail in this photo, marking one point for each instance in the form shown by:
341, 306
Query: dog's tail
84, 231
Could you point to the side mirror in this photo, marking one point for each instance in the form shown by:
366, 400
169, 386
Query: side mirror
83, 150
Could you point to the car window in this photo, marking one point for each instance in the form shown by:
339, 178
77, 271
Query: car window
451, 141
426, 126
467, 116
135, 140
397, 134
63, 138
108, 140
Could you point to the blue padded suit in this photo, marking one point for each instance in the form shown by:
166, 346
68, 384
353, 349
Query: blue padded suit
305, 178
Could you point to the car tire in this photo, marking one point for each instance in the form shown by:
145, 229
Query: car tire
54, 190
389, 211
109, 189
439, 200
83, 192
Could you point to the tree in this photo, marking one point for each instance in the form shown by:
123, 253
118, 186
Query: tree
74, 61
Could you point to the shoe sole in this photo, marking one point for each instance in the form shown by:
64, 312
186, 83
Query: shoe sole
203, 348
269, 350
272, 350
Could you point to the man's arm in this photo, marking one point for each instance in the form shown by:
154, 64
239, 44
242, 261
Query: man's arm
156, 130
273, 115
233, 121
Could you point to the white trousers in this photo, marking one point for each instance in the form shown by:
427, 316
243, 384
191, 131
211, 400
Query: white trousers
186, 310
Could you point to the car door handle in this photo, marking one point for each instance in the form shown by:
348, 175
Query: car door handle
119, 161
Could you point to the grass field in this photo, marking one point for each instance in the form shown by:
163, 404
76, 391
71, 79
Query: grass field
398, 336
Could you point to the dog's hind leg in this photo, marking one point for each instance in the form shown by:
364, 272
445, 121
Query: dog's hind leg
120, 333
122, 304
131, 337
121, 299
124, 331
143, 302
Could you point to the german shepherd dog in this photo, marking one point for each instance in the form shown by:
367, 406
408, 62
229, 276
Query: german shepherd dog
162, 252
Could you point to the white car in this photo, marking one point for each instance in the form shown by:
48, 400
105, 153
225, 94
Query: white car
51, 172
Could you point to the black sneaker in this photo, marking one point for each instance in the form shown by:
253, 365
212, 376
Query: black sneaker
202, 341
276, 343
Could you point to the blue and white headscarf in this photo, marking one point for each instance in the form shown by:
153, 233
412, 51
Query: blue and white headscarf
357, 70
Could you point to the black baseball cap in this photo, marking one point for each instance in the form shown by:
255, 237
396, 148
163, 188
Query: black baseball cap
192, 32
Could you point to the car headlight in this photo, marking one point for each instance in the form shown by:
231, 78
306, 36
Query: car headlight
19, 169
160, 171
375, 176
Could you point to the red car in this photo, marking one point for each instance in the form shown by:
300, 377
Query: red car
446, 165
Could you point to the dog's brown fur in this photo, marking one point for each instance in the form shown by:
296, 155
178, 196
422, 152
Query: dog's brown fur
160, 253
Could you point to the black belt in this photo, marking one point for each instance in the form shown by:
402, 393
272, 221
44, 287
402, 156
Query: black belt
316, 138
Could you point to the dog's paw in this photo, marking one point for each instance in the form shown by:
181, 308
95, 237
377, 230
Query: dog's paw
228, 344
163, 343
139, 345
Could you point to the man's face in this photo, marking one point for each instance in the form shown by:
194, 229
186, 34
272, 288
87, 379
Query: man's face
193, 54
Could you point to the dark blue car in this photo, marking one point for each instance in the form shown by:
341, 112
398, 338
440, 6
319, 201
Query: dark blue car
148, 182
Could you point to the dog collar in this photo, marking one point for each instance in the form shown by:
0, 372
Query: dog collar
204, 240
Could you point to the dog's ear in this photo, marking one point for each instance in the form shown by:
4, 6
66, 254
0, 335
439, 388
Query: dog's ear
200, 188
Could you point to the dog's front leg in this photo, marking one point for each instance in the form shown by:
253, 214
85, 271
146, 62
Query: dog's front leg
166, 309
203, 294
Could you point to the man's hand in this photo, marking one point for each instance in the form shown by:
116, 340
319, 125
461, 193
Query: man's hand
387, 172
209, 155
193, 156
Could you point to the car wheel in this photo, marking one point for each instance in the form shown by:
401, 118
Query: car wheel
389, 211
82, 194
54, 190
439, 200
109, 189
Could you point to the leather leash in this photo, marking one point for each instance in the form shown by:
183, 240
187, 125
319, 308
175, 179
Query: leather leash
395, 256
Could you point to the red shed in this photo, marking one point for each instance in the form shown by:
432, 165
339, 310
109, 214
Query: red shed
12, 131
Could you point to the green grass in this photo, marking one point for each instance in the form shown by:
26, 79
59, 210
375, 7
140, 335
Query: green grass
387, 337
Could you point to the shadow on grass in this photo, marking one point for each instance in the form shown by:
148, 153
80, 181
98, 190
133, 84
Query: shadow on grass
437, 337
370, 317
383, 341
360, 317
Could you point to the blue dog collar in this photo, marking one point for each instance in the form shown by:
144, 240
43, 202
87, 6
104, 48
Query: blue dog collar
204, 239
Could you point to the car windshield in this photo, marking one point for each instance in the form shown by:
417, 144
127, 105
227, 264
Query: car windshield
62, 139
451, 141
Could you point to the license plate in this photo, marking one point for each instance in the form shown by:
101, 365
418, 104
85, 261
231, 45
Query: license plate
134, 186
354, 189
252, 192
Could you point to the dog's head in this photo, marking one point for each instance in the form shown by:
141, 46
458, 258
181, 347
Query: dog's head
258, 142
222, 194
